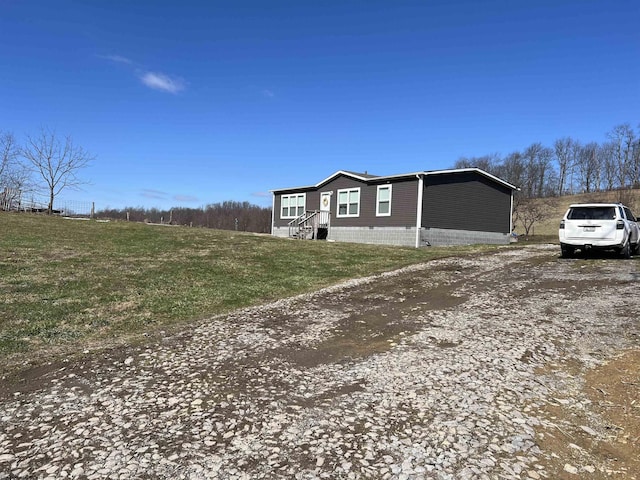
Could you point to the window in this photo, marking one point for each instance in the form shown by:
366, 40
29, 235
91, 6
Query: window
383, 201
592, 213
630, 215
349, 202
292, 206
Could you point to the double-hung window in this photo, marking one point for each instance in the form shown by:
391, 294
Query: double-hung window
292, 206
383, 201
349, 202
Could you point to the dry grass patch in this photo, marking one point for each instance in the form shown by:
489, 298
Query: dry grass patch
557, 206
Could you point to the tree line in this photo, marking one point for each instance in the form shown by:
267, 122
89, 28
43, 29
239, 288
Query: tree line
569, 166
228, 215
47, 163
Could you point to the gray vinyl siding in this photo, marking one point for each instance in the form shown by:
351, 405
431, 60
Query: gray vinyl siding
404, 196
312, 203
403, 203
466, 201
367, 193
404, 199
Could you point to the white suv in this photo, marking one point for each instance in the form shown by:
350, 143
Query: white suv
605, 226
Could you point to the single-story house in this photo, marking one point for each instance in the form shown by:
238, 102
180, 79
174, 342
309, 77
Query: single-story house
440, 207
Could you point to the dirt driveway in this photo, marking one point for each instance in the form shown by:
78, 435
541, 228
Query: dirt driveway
516, 364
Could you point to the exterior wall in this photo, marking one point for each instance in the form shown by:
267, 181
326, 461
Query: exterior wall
403, 203
437, 237
312, 203
400, 236
466, 201
458, 208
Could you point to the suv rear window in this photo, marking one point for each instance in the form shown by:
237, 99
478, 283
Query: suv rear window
592, 213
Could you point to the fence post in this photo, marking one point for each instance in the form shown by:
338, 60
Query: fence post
93, 209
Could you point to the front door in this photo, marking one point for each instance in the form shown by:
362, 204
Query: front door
325, 215
325, 202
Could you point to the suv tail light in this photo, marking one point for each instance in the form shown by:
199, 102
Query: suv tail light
619, 225
561, 224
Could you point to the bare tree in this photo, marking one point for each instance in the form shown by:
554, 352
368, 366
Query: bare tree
537, 160
529, 211
622, 139
588, 167
8, 155
14, 175
512, 169
564, 149
488, 163
57, 162
610, 167
635, 161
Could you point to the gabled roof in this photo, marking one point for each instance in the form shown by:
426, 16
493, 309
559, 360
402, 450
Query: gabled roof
367, 178
358, 176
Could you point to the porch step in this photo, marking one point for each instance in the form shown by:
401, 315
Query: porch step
308, 225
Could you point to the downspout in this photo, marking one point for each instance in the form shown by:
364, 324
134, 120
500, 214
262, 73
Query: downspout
273, 212
419, 209
511, 217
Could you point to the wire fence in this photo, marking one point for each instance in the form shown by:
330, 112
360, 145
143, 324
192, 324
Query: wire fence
14, 200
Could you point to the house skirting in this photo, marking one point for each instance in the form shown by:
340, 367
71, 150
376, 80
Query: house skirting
280, 231
406, 237
443, 237
400, 236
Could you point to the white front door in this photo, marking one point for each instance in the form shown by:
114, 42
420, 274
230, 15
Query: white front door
324, 220
325, 202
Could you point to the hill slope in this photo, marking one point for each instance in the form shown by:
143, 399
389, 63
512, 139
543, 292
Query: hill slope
557, 206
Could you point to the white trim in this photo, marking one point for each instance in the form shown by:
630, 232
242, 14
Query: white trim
345, 173
327, 180
327, 207
390, 187
273, 213
419, 209
291, 195
348, 191
511, 216
372, 178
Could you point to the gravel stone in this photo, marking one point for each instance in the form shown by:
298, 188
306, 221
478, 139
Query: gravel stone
428, 372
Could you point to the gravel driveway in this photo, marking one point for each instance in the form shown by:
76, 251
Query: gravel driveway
435, 371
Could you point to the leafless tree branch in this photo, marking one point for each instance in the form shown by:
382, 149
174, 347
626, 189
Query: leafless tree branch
56, 161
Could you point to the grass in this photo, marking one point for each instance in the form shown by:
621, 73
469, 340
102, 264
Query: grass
69, 285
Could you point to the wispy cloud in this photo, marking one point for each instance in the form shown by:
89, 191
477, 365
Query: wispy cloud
155, 80
268, 93
162, 82
155, 194
117, 59
186, 198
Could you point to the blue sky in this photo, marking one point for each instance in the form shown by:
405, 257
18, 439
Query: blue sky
189, 103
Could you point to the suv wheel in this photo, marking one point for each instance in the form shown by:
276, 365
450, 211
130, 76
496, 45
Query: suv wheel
626, 250
567, 251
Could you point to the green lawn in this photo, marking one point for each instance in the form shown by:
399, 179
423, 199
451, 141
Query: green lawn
67, 284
